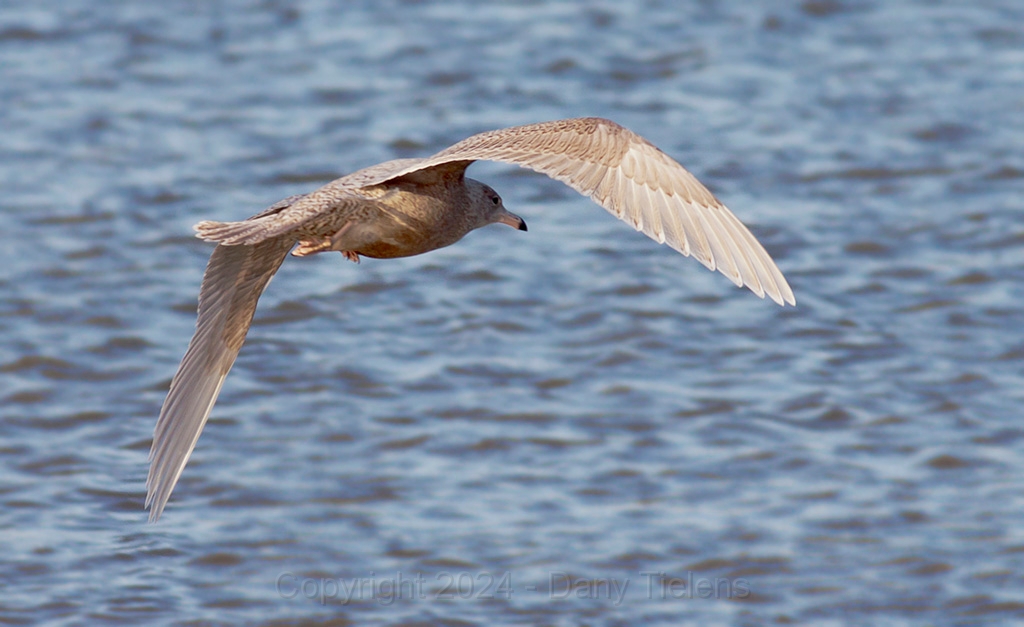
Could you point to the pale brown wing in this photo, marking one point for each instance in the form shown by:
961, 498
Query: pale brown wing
635, 181
235, 278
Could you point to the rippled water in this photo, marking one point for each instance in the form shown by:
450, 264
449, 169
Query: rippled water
583, 425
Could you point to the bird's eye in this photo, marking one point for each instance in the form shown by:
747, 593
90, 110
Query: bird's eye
496, 200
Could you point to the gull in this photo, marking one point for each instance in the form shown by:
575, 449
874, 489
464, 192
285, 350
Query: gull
408, 207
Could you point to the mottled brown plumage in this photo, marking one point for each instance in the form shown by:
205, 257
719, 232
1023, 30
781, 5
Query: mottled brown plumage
411, 206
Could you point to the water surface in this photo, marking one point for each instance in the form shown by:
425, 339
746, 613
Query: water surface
539, 418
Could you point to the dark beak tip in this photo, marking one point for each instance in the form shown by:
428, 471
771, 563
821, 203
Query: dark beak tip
522, 225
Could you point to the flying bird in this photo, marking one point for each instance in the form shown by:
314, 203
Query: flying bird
411, 206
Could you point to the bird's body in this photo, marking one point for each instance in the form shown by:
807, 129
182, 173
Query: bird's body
411, 206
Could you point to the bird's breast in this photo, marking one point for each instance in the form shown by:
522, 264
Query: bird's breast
406, 222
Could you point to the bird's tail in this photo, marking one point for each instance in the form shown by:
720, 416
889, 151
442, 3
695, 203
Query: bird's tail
254, 230
251, 231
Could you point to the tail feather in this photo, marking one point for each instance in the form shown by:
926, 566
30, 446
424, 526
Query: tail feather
249, 232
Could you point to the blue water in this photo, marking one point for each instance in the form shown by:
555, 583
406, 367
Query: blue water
561, 427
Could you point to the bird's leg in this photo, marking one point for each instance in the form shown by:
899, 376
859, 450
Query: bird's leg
350, 255
315, 245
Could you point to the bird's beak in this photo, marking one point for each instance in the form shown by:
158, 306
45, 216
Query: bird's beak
511, 219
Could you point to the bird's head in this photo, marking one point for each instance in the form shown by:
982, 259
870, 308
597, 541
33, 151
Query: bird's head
488, 207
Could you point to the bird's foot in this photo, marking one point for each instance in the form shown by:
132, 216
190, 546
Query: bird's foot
320, 244
310, 247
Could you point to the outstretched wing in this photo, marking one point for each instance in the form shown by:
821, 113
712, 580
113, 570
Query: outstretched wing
635, 181
234, 280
